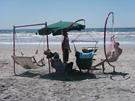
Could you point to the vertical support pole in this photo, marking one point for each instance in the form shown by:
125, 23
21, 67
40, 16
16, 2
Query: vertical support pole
47, 36
14, 32
48, 47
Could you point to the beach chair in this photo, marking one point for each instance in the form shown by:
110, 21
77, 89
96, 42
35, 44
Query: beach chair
84, 60
28, 62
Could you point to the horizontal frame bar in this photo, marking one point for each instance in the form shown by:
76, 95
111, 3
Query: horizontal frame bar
30, 25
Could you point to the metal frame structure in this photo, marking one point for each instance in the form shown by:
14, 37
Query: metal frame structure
14, 42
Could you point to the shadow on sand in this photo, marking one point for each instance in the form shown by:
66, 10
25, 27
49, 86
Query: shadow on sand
29, 74
118, 76
73, 76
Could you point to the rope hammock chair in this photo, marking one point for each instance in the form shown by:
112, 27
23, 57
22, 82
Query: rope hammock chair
27, 62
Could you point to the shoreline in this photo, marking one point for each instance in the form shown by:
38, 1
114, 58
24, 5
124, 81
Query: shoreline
53, 44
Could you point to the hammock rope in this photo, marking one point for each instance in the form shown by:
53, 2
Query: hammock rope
93, 39
36, 51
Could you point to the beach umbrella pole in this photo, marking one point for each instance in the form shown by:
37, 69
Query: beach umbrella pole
48, 49
14, 32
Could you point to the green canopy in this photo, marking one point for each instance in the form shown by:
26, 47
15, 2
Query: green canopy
60, 26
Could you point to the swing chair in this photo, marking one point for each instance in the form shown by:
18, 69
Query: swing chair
27, 62
111, 47
85, 58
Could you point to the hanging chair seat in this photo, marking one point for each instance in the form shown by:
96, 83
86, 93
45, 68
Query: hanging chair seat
84, 60
27, 62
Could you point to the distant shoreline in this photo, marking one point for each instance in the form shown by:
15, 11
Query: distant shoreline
116, 29
100, 44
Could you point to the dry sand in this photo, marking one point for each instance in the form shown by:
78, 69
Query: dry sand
38, 85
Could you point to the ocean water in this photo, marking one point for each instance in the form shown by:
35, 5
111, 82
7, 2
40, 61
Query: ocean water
126, 37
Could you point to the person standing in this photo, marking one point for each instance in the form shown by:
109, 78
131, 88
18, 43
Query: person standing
65, 47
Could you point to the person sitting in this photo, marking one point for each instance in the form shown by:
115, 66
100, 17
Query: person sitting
112, 55
57, 64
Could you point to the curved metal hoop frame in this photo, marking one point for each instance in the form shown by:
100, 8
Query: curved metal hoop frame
111, 13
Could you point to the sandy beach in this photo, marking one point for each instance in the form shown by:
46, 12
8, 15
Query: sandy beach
31, 26
39, 85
